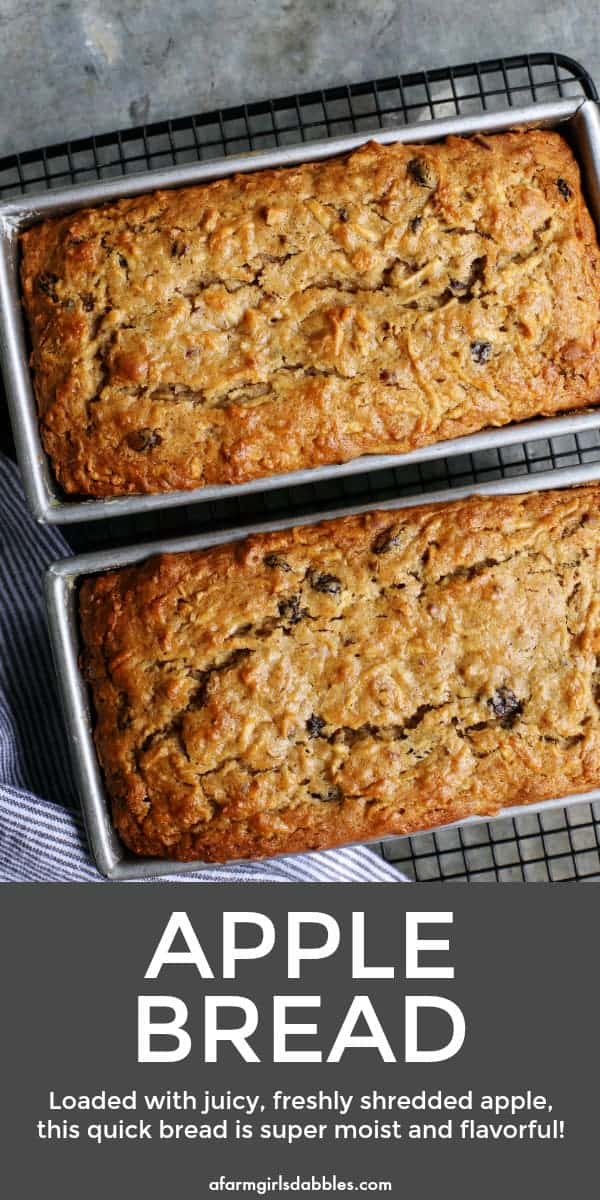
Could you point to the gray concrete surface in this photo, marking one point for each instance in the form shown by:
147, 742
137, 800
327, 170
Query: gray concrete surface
74, 67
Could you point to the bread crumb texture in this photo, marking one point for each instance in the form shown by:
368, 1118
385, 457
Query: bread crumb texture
377, 674
297, 317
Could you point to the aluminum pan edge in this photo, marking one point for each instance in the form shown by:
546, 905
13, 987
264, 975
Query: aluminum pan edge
17, 214
44, 498
61, 579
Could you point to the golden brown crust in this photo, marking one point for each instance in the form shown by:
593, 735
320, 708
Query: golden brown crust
377, 674
303, 316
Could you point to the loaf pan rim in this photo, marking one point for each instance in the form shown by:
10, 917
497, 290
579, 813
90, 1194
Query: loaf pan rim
61, 581
45, 500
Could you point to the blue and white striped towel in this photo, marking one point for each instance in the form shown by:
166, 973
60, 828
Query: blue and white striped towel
41, 832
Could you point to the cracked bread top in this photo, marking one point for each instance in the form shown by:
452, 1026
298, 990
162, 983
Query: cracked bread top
376, 674
296, 317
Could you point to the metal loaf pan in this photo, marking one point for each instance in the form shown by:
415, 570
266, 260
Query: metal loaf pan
580, 120
61, 581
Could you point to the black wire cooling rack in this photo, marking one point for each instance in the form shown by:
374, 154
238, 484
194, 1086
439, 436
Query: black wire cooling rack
559, 844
